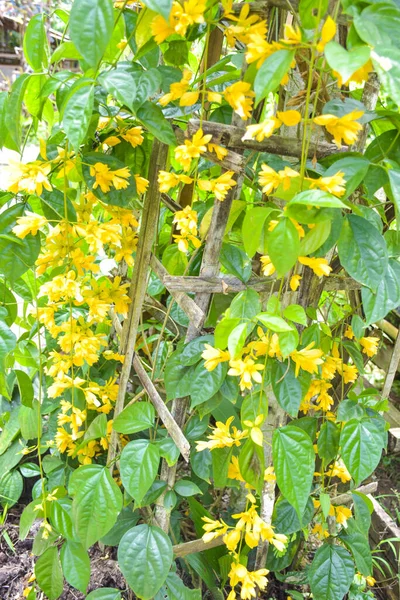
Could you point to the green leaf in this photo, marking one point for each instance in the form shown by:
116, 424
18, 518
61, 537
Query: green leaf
97, 501
174, 260
235, 261
357, 542
223, 330
296, 313
253, 404
362, 251
48, 573
178, 591
77, 114
35, 43
30, 423
309, 11
286, 387
331, 572
346, 62
317, 198
328, 441
237, 339
191, 353
378, 23
14, 107
387, 297
91, 25
186, 488
136, 417
127, 519
245, 305
113, 196
315, 238
11, 486
294, 463
361, 445
285, 519
363, 508
159, 6
283, 245
25, 387
349, 409
139, 466
104, 594
273, 322
152, 118
206, 383
253, 224
8, 342
175, 377
9, 303
221, 458
60, 513
121, 83
325, 504
75, 564
271, 73
145, 558
66, 50
168, 450
252, 464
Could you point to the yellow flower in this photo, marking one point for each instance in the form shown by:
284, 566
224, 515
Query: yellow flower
232, 539
192, 149
286, 176
320, 531
105, 178
324, 400
220, 151
269, 474
214, 356
186, 220
180, 19
349, 332
222, 437
255, 432
318, 265
333, 184
183, 241
220, 186
259, 49
262, 130
249, 580
141, 184
177, 89
289, 118
294, 282
369, 345
267, 267
234, 469
134, 136
266, 344
339, 470
122, 44
30, 177
244, 24
350, 373
30, 223
358, 76
292, 35
342, 514
342, 128
247, 370
168, 180
370, 580
240, 96
268, 179
328, 32
308, 359
110, 355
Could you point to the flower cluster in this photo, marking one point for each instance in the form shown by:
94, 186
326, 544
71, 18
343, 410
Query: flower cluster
186, 223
